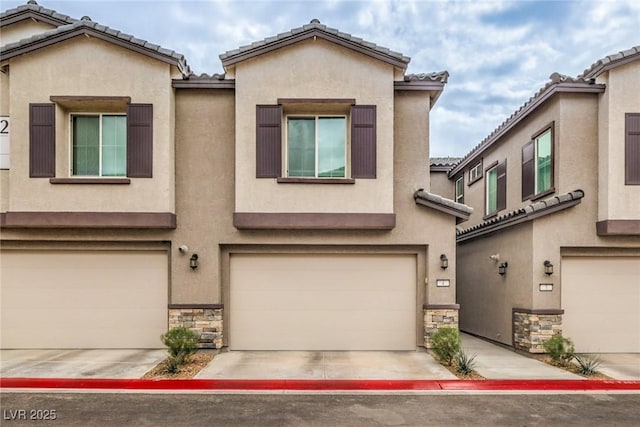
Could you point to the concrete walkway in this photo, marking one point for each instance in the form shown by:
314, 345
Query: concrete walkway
621, 366
495, 362
327, 365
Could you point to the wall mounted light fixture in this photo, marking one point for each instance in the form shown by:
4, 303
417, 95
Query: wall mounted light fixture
502, 268
193, 261
444, 262
548, 268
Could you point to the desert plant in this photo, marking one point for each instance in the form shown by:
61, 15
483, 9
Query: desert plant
560, 349
587, 365
445, 344
181, 343
464, 363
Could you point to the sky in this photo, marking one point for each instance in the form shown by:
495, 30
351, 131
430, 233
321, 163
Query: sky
498, 53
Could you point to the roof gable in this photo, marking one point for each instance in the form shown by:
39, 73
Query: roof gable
31, 10
314, 30
90, 28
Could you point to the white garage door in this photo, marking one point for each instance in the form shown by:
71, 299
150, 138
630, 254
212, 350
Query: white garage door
601, 300
83, 299
323, 302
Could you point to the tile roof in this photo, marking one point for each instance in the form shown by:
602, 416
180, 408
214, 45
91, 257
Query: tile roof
611, 61
517, 216
313, 29
441, 76
205, 81
86, 26
443, 164
32, 9
584, 82
442, 204
557, 83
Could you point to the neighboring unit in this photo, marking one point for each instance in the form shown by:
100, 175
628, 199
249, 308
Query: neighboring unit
554, 241
282, 205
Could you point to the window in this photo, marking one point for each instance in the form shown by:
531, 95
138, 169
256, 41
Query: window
475, 173
537, 165
632, 149
543, 162
106, 145
495, 188
316, 146
99, 145
459, 196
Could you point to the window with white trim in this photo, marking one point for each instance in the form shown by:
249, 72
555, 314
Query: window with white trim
316, 146
544, 162
475, 173
99, 144
459, 196
491, 187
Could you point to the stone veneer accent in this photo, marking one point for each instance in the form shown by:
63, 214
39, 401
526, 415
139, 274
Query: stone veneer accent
439, 316
531, 328
203, 319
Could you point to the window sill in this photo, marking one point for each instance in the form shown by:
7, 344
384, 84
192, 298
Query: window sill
286, 180
490, 216
111, 181
543, 194
476, 179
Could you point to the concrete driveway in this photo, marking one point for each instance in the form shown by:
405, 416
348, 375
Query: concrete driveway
325, 365
78, 363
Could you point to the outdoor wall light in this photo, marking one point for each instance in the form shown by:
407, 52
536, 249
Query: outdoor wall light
193, 261
548, 268
502, 268
444, 262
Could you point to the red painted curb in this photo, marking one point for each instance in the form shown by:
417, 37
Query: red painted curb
319, 385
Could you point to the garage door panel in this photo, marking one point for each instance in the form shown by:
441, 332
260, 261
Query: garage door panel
84, 299
601, 299
364, 302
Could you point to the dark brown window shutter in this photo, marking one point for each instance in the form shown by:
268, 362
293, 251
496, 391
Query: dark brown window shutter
363, 141
632, 149
42, 140
528, 170
140, 140
268, 141
502, 186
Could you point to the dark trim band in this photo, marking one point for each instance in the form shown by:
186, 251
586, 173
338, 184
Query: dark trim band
550, 311
90, 181
441, 307
313, 221
287, 180
348, 101
195, 306
618, 227
89, 220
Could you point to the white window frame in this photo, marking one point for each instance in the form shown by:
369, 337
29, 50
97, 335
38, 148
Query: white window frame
487, 182
475, 173
459, 196
90, 114
535, 162
316, 117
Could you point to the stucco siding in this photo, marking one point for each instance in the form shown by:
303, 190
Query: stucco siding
486, 299
22, 30
313, 69
618, 201
72, 68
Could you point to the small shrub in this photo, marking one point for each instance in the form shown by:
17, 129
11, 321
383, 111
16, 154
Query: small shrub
587, 365
445, 343
465, 364
560, 349
181, 343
